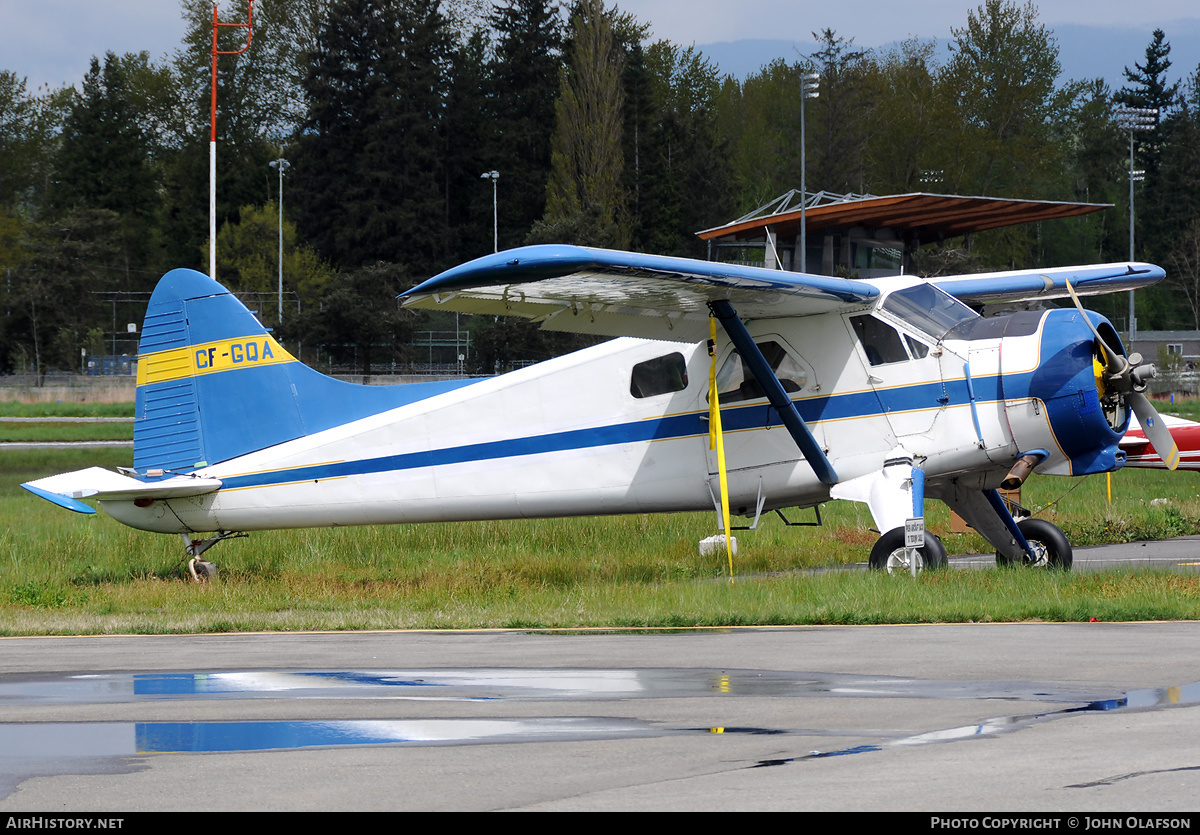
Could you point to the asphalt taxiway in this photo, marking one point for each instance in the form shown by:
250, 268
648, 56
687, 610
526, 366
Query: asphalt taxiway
992, 717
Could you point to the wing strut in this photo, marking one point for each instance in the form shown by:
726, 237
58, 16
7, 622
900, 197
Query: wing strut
778, 398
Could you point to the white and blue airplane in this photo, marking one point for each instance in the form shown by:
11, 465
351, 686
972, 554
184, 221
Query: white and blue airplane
886, 391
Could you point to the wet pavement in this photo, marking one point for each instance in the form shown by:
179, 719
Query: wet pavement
1017, 716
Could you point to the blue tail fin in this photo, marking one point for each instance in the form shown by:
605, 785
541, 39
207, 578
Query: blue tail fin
213, 384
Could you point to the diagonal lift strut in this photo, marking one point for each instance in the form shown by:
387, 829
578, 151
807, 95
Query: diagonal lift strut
777, 397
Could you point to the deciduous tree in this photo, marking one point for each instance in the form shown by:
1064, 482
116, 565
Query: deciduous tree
585, 196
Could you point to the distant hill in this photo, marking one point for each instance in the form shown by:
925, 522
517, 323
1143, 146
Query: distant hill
1084, 51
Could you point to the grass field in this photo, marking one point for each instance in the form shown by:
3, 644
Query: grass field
37, 432
65, 573
13, 409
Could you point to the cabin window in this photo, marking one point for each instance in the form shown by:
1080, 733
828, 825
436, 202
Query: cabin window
661, 375
880, 341
735, 381
917, 348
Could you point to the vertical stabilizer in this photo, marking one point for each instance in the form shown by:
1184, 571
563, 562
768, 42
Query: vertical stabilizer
213, 384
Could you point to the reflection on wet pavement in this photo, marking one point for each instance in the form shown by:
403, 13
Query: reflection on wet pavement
44, 740
123, 739
512, 684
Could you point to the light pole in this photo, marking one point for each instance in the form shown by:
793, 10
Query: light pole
493, 176
281, 165
810, 84
1134, 119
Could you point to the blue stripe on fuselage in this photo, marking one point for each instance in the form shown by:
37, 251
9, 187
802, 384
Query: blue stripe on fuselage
673, 427
1062, 380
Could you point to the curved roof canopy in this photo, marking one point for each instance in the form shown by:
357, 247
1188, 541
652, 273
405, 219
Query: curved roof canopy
931, 217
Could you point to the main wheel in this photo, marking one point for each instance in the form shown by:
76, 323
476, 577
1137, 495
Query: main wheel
890, 555
1049, 545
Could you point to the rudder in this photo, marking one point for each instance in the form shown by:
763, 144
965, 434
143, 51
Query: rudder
213, 384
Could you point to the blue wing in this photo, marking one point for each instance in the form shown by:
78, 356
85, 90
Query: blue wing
612, 293
1029, 285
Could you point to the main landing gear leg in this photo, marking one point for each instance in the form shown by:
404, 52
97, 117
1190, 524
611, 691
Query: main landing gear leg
202, 570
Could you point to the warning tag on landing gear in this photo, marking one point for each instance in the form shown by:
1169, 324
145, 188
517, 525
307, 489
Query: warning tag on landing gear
914, 532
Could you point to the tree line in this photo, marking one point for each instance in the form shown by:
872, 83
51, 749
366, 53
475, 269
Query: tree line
389, 111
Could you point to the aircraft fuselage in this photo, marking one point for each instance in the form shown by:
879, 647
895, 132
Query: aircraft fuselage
623, 428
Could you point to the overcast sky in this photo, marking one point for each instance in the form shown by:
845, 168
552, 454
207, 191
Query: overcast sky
51, 41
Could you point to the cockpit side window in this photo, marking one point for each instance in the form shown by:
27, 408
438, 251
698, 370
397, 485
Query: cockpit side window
928, 308
661, 375
918, 349
735, 381
880, 341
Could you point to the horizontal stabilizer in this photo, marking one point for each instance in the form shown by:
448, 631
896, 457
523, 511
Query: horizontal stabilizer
66, 489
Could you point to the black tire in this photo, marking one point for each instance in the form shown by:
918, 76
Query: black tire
889, 548
1047, 541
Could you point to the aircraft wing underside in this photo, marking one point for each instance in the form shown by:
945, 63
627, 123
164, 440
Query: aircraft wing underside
612, 293
604, 292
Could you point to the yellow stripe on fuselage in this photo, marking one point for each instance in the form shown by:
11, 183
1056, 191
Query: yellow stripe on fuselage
210, 358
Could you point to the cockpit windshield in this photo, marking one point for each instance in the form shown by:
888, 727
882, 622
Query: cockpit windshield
928, 308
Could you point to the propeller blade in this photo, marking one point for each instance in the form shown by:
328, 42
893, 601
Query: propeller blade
1156, 431
1114, 362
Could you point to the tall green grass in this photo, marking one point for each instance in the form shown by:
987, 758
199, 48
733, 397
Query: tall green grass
13, 409
65, 573
41, 432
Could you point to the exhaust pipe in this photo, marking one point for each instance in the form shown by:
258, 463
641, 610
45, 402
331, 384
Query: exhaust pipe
1022, 469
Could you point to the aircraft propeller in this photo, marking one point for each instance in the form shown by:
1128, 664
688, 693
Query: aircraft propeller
1128, 377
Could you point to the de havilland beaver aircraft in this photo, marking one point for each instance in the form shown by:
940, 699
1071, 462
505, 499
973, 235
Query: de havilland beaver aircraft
886, 391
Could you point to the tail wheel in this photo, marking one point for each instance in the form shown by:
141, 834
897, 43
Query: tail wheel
1049, 545
890, 555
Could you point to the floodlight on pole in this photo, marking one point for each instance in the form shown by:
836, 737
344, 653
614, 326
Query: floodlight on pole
1134, 119
282, 165
493, 176
212, 139
810, 88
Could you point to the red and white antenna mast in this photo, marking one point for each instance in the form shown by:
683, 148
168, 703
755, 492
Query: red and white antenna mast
212, 139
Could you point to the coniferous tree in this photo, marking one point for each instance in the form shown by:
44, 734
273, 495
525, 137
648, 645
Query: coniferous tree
524, 74
1173, 235
839, 117
1149, 88
104, 163
1159, 219
470, 150
906, 150
368, 174
687, 187
21, 146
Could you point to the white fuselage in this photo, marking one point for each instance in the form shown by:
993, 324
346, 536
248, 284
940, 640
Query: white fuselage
567, 437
